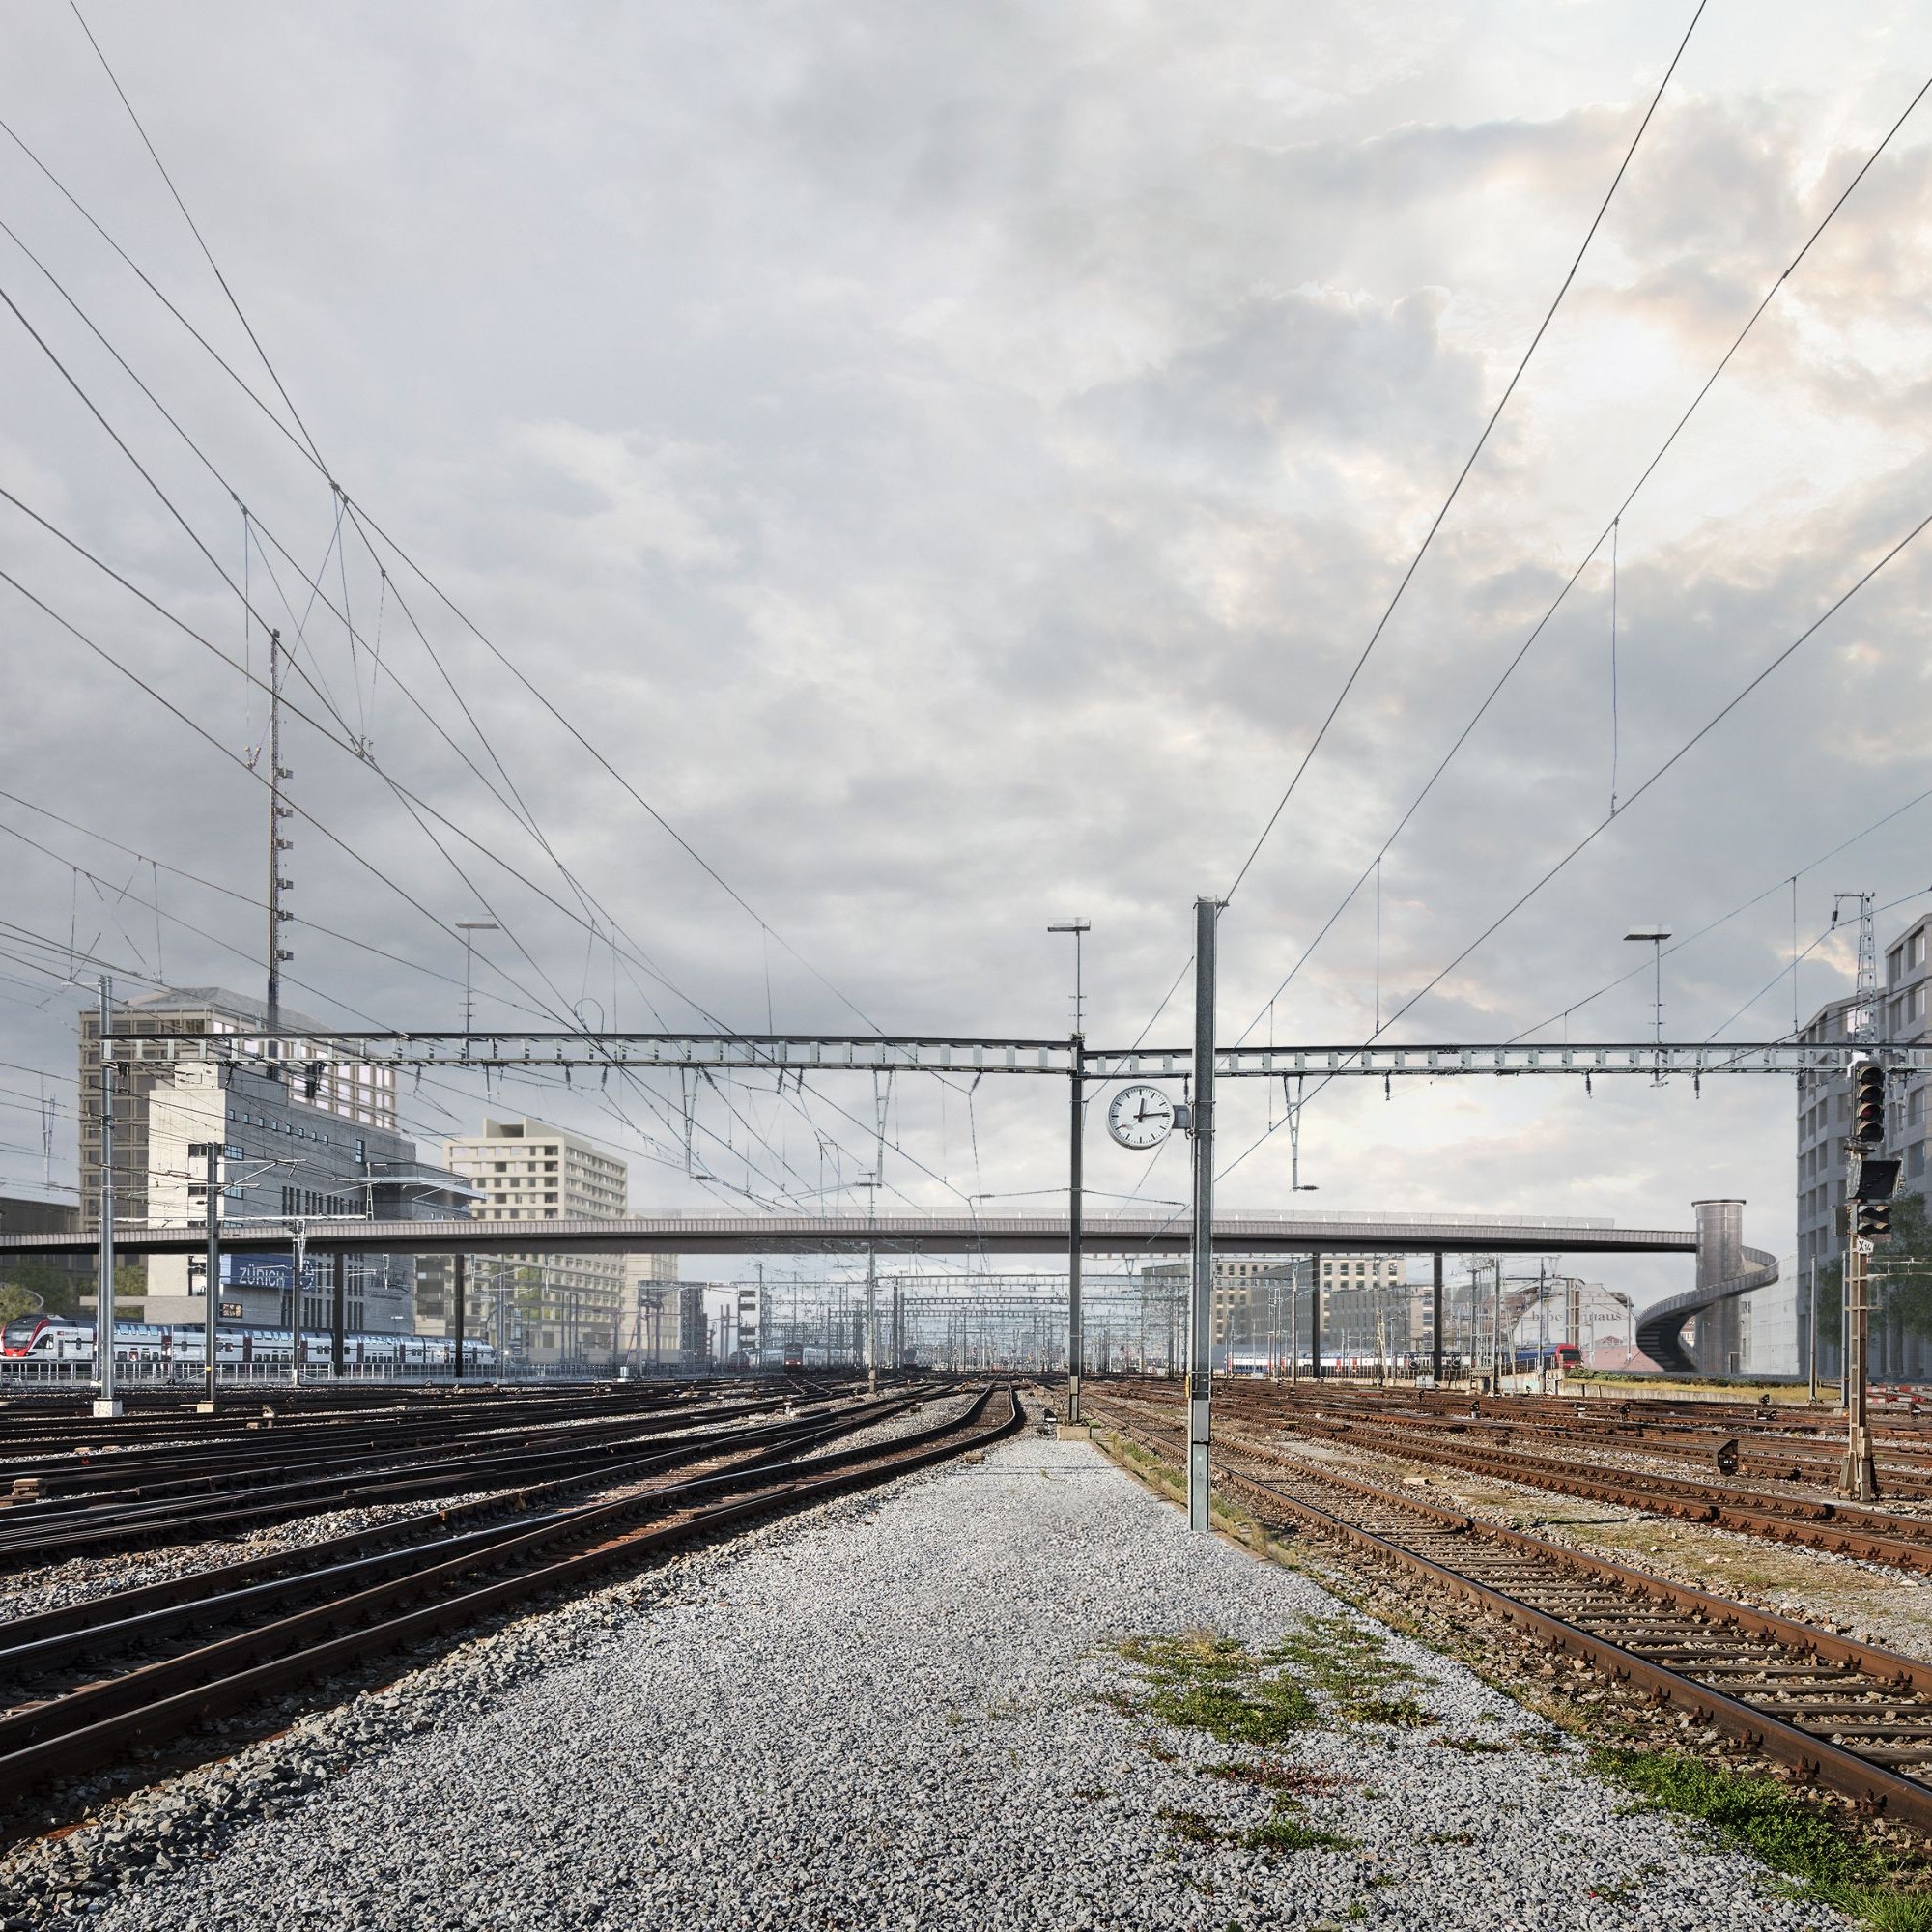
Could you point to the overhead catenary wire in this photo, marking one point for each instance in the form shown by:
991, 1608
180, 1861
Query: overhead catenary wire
340, 497
1455, 489
1608, 533
1575, 851
360, 515
349, 739
1736, 911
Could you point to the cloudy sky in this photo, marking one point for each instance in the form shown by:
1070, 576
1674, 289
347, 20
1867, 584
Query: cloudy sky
947, 461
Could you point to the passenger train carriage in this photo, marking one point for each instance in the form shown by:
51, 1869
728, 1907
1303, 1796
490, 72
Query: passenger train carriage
56, 1338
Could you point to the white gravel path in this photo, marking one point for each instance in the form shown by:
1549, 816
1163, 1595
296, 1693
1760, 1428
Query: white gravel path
889, 1714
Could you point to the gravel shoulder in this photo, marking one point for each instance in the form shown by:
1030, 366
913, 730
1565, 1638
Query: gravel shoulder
905, 1708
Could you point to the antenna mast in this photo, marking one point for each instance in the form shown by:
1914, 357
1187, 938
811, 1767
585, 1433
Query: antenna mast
277, 845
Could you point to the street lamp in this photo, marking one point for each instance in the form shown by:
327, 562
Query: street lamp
1076, 1197
468, 926
1654, 937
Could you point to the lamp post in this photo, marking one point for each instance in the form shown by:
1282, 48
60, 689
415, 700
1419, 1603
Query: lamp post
469, 928
1076, 1188
1654, 937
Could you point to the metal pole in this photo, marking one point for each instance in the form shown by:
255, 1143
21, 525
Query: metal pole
1200, 1355
210, 1314
107, 1404
461, 1296
1496, 1326
1812, 1328
1542, 1330
1076, 1208
298, 1247
1435, 1322
338, 1314
277, 845
1315, 1316
1860, 1479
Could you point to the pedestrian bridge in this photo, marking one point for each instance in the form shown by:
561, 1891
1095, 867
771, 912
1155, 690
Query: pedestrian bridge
1253, 1231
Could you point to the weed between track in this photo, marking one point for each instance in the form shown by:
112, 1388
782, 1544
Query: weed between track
1764, 1817
1886, 1887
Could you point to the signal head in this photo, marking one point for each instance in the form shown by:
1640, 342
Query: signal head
1869, 1103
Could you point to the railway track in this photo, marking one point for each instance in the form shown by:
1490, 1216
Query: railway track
1847, 1715
82, 1688
82, 1507
1757, 1445
1815, 1522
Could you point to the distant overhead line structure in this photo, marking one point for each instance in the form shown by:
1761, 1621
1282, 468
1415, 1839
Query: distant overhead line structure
883, 1053
303, 1054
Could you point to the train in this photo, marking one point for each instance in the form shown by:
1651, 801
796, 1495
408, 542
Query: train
55, 1338
1551, 1355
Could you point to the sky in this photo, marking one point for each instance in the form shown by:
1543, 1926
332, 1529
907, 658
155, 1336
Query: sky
837, 489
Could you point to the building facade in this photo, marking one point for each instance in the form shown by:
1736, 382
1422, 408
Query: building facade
357, 1097
565, 1309
1262, 1306
289, 1163
1824, 1121
318, 1143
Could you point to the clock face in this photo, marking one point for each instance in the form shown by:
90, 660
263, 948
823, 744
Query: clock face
1140, 1117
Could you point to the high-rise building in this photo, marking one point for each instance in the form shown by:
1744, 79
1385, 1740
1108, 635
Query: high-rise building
1824, 1121
568, 1307
313, 1144
359, 1096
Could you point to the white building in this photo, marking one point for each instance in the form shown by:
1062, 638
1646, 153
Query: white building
567, 1308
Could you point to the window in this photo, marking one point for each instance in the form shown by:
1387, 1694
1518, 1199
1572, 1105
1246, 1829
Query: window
1915, 1160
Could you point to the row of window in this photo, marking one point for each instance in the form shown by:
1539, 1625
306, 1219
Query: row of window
312, 1201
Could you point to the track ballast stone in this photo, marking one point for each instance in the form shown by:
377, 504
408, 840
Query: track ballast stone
908, 1709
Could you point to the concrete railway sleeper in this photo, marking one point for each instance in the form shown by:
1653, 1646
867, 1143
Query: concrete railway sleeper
153, 1702
1848, 1715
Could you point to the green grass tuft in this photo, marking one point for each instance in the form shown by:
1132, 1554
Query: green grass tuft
1214, 1684
1286, 1832
1350, 1665
1793, 1837
1193, 1827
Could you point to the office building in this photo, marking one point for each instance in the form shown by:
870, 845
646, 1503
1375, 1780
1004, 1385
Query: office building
1824, 1121
567, 1308
290, 1164
312, 1144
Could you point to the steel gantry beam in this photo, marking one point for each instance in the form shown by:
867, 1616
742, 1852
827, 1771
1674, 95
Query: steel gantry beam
641, 1052
1586, 1058
893, 1053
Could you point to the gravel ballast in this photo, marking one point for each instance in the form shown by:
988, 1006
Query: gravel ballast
904, 1709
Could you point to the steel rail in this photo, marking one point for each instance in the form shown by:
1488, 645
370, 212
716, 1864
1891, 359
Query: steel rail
67, 1527
35, 1644
78, 1733
1871, 1535
1859, 1679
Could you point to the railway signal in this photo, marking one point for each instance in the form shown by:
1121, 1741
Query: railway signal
1869, 1103
1872, 1180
